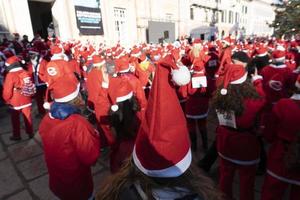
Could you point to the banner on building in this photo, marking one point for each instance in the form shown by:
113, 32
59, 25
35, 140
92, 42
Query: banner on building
88, 17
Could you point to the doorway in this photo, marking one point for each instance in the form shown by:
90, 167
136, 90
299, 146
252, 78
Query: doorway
41, 16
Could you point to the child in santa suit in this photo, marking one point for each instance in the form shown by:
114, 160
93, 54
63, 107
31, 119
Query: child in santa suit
123, 119
283, 132
160, 167
17, 91
71, 144
238, 106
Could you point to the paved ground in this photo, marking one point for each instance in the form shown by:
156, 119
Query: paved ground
23, 172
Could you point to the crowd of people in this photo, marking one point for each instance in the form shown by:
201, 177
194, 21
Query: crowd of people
149, 104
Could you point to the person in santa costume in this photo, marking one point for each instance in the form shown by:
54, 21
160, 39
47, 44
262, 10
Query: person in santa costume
238, 105
198, 92
123, 120
160, 167
18, 90
283, 132
122, 68
37, 67
71, 144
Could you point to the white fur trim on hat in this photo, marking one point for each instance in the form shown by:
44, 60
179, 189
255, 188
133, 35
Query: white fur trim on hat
181, 76
174, 171
282, 59
124, 98
46, 105
69, 97
241, 80
262, 54
84, 68
99, 64
114, 107
223, 91
136, 54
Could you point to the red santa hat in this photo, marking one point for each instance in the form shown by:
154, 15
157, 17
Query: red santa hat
162, 147
135, 52
119, 90
64, 89
98, 60
227, 40
122, 64
278, 56
56, 50
235, 74
261, 51
11, 60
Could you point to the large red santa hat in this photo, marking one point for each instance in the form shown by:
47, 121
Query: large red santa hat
162, 147
278, 56
119, 90
98, 60
11, 60
135, 52
235, 74
55, 49
122, 64
261, 51
64, 89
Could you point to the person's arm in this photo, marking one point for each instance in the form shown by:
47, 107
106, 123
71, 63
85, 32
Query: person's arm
86, 142
8, 88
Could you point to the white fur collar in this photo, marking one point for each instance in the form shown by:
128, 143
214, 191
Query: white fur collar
295, 97
278, 66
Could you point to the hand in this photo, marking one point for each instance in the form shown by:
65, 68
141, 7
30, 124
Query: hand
255, 72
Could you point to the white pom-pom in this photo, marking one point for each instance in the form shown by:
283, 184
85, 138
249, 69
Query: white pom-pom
223, 91
23, 62
114, 108
46, 105
84, 68
181, 76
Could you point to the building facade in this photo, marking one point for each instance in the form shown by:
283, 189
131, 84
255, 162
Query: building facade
134, 21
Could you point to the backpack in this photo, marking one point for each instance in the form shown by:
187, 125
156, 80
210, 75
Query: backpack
292, 154
26, 87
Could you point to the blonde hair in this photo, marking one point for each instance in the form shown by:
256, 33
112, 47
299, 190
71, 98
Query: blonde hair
196, 50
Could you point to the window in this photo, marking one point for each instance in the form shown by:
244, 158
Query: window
169, 16
192, 13
206, 16
246, 10
237, 18
120, 23
223, 16
230, 17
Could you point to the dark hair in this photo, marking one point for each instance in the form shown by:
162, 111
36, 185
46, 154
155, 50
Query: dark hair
234, 100
192, 179
240, 56
124, 121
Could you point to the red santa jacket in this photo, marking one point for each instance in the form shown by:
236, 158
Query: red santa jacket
280, 129
12, 88
275, 82
197, 103
241, 146
93, 86
71, 146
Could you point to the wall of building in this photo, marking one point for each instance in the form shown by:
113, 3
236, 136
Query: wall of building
131, 26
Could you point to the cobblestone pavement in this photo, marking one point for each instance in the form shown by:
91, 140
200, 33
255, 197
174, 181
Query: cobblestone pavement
23, 172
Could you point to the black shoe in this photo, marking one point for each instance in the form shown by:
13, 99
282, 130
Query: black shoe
15, 138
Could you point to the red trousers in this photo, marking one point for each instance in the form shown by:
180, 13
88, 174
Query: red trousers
246, 175
273, 189
15, 121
